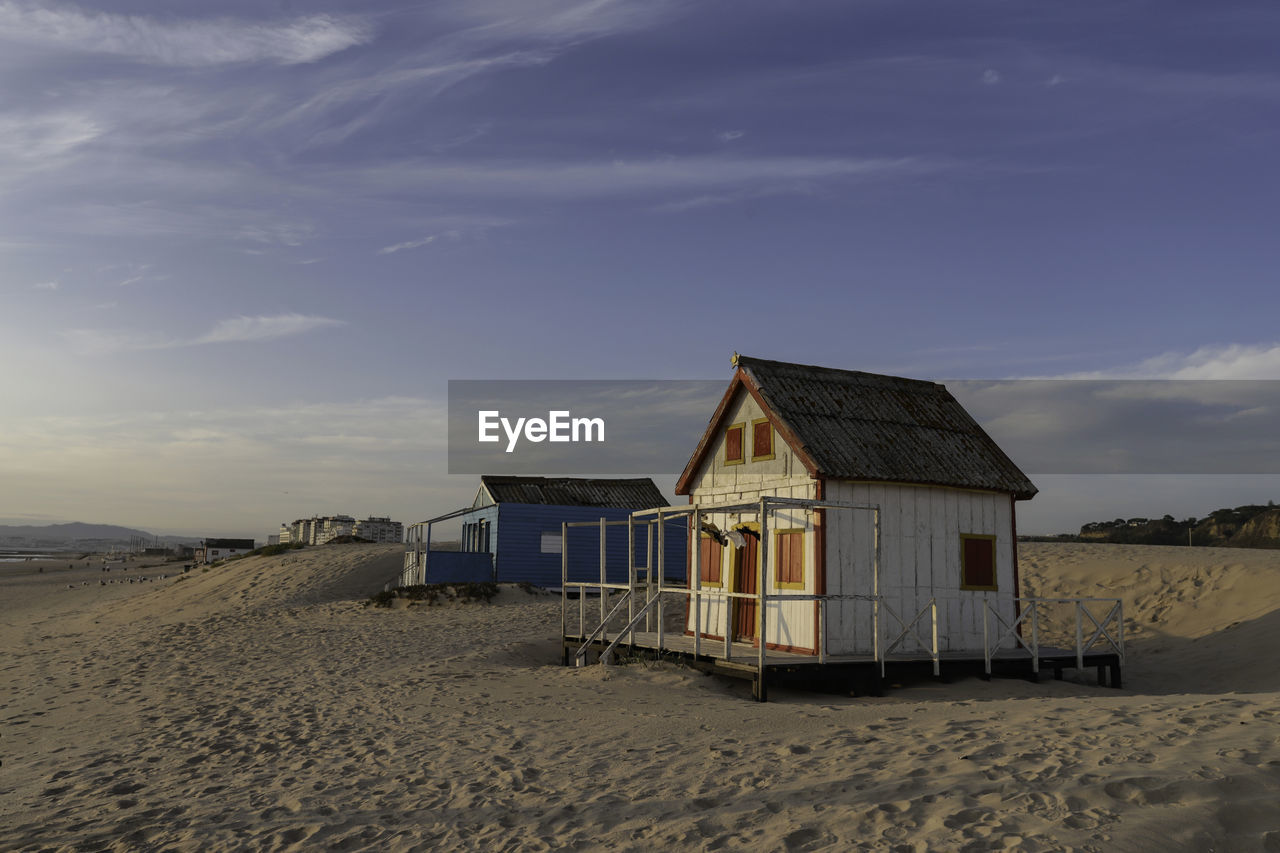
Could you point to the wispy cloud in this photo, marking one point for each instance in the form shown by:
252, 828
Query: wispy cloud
417, 244
178, 42
45, 285
134, 274
1219, 361
556, 20
277, 233
460, 227
240, 329
265, 328
35, 140
636, 177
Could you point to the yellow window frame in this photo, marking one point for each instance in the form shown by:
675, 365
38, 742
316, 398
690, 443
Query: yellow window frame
742, 443
773, 447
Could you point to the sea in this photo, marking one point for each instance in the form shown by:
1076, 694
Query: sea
17, 555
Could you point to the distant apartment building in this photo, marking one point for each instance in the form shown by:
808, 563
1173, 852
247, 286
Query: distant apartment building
377, 529
320, 530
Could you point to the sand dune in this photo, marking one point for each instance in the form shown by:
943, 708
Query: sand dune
261, 706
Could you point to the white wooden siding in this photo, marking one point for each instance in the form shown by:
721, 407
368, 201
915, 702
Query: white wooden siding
920, 529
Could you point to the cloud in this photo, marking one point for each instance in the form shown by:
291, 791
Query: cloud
134, 274
731, 135
45, 285
240, 329
278, 233
460, 227
35, 140
639, 177
416, 244
557, 20
265, 328
1108, 426
1222, 361
990, 77
181, 43
354, 455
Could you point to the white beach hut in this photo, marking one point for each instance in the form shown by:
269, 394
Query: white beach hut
938, 550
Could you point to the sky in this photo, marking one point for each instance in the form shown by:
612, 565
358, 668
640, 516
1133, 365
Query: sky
244, 246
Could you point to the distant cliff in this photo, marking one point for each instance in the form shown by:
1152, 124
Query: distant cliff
1249, 526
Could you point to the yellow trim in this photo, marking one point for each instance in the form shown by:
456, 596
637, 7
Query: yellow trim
994, 562
777, 549
717, 584
773, 449
742, 444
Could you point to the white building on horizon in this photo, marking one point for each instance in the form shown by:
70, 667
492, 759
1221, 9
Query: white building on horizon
320, 530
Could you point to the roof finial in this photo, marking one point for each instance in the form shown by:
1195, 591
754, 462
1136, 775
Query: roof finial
734, 361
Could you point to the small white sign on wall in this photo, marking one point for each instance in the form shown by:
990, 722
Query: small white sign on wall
551, 543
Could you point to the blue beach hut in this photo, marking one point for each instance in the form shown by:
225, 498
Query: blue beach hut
512, 533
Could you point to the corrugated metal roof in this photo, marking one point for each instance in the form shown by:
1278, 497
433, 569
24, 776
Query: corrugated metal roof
637, 493
245, 544
864, 426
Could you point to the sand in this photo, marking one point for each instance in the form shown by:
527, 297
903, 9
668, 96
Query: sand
260, 706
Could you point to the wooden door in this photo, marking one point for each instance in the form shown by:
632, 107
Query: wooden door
746, 570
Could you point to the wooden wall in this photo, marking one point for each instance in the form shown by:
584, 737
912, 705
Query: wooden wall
919, 559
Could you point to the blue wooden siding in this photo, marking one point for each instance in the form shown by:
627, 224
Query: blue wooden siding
458, 567
518, 537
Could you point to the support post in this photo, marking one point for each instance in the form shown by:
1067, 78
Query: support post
986, 638
697, 583
1035, 638
1079, 635
564, 586
762, 601
875, 591
662, 556
1120, 631
604, 532
822, 636
933, 617
648, 574
631, 575
426, 554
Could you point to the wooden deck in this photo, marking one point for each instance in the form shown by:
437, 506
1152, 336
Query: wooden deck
856, 674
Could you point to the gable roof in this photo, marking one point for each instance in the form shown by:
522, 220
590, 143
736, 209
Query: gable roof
850, 425
246, 544
637, 493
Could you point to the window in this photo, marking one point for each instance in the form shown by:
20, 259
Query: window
733, 444
761, 439
789, 557
977, 561
712, 559
551, 543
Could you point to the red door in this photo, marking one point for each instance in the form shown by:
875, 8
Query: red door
745, 579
